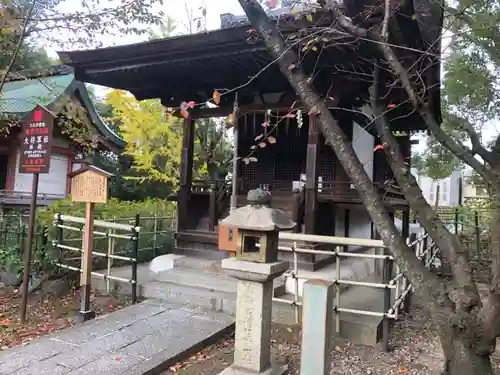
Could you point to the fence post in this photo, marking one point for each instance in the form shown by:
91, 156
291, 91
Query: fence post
59, 230
45, 240
59, 238
23, 234
478, 235
110, 246
317, 327
387, 303
338, 249
456, 221
212, 208
155, 229
135, 255
5, 231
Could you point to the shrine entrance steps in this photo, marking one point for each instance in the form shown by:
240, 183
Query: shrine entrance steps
192, 281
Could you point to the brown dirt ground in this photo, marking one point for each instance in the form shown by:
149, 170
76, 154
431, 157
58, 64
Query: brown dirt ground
47, 315
414, 350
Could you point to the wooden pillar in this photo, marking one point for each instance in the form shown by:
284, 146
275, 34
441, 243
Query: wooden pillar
236, 169
186, 173
347, 226
213, 208
312, 162
406, 224
85, 312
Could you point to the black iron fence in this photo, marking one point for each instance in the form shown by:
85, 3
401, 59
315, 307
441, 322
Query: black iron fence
157, 238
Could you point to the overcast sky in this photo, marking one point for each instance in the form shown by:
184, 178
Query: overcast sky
173, 8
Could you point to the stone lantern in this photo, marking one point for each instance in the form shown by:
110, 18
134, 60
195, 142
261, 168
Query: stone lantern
255, 267
257, 227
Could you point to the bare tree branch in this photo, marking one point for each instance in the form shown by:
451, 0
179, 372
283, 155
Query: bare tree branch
18, 47
426, 283
468, 295
446, 140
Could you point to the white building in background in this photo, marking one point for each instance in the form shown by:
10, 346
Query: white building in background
450, 188
469, 190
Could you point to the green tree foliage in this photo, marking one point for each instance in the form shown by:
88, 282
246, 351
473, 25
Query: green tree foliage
25, 24
471, 99
213, 150
153, 137
154, 140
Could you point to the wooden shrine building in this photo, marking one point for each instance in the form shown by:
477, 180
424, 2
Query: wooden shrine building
76, 124
190, 68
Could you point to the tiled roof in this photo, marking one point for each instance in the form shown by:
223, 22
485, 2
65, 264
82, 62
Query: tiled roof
21, 96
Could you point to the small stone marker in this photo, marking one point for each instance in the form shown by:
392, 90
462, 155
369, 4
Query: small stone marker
89, 185
317, 320
255, 266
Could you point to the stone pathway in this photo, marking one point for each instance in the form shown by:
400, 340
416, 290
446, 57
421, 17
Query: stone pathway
140, 339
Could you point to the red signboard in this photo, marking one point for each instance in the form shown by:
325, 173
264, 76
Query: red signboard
36, 141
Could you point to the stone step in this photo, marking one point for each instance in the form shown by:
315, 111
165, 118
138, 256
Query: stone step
196, 263
198, 279
208, 252
359, 329
191, 296
211, 277
211, 299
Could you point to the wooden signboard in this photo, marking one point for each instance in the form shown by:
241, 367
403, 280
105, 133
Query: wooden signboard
36, 144
89, 185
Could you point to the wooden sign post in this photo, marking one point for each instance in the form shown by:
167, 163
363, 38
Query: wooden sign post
90, 186
36, 149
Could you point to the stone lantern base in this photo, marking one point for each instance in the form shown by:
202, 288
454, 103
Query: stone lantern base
273, 370
252, 352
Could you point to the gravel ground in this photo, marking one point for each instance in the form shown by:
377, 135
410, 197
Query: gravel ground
415, 350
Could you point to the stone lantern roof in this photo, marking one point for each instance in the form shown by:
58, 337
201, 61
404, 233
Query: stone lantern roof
257, 215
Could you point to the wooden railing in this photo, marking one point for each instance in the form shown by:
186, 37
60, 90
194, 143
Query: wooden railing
327, 189
12, 195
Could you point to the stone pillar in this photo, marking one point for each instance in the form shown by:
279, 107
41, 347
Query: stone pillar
252, 353
317, 321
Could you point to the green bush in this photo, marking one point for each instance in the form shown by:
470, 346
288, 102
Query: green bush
156, 220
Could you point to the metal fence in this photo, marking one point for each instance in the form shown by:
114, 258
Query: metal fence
392, 278
156, 239
109, 230
115, 243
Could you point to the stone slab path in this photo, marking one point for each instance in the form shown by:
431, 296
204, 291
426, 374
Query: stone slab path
137, 340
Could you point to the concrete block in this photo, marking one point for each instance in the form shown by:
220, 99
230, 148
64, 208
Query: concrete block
317, 321
273, 370
164, 262
232, 264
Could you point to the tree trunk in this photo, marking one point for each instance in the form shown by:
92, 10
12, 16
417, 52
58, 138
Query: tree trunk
461, 357
424, 281
452, 252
